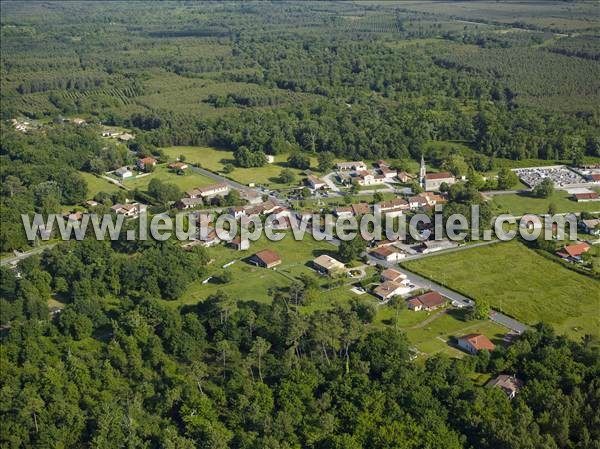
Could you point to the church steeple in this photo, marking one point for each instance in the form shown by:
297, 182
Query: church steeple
422, 171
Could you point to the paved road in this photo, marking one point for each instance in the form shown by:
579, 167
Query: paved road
414, 278
26, 254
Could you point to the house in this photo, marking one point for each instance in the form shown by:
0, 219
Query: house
78, 121
110, 133
74, 217
178, 166
343, 212
591, 226
509, 384
473, 343
130, 210
404, 177
188, 203
211, 238
123, 172
392, 208
146, 162
351, 166
360, 209
209, 191
573, 252
389, 289
266, 258
388, 254
91, 203
433, 181
270, 158
239, 244
381, 164
392, 275
417, 202
237, 212
250, 196
315, 183
387, 172
366, 178
328, 265
428, 301
586, 197
125, 137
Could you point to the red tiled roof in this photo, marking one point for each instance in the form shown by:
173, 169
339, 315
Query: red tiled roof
148, 160
586, 196
576, 250
268, 256
430, 299
479, 341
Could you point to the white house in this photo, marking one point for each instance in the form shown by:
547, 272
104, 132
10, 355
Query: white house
130, 210
123, 172
388, 254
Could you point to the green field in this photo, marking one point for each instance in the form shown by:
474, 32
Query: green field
252, 283
215, 159
97, 184
521, 204
186, 181
515, 280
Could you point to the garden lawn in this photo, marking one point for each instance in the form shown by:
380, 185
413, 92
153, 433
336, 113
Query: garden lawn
520, 204
521, 283
253, 283
97, 184
215, 159
187, 181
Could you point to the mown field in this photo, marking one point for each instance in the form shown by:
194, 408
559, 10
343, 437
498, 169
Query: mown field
521, 204
521, 283
187, 181
215, 159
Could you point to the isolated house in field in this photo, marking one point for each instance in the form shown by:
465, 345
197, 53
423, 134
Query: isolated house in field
328, 265
315, 183
351, 166
573, 252
433, 181
509, 384
123, 172
178, 166
392, 275
586, 197
428, 301
473, 343
266, 258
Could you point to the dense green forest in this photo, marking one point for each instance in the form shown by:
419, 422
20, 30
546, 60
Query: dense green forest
122, 367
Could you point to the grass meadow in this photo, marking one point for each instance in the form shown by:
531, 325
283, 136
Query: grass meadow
514, 280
